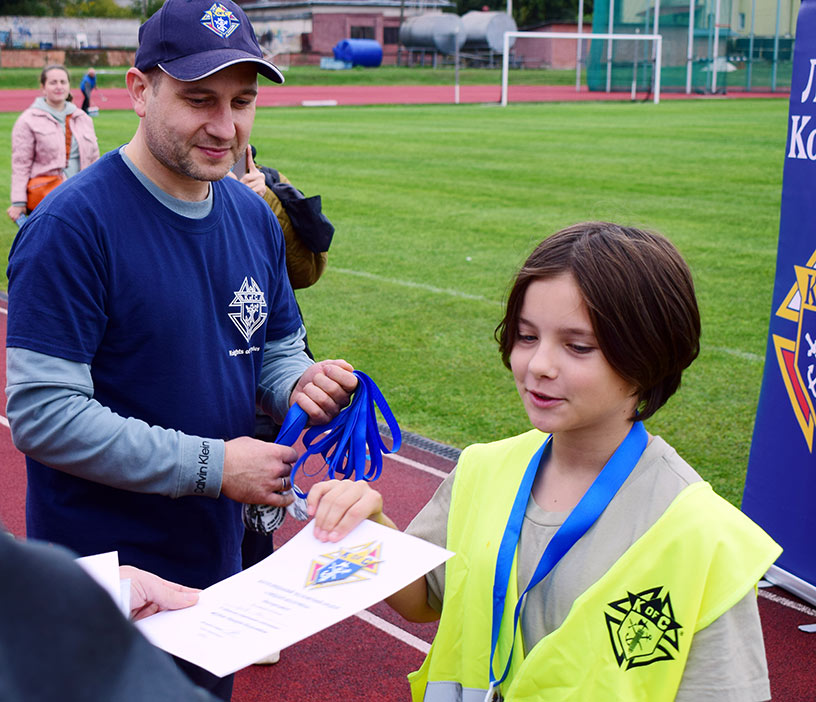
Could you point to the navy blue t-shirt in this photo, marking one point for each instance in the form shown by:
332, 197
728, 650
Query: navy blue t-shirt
172, 315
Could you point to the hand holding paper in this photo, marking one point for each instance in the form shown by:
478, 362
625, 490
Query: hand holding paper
150, 594
302, 588
339, 505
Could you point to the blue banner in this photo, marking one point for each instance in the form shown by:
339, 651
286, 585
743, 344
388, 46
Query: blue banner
780, 487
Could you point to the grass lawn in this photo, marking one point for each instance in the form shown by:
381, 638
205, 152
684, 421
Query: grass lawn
436, 206
313, 75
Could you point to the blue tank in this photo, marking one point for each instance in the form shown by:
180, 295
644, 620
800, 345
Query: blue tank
359, 52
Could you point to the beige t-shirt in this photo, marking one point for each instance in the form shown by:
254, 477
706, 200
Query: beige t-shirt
726, 662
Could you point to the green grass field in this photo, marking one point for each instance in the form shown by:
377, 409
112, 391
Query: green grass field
436, 206
22, 78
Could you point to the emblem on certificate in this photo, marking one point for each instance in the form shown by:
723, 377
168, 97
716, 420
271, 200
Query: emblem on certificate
346, 565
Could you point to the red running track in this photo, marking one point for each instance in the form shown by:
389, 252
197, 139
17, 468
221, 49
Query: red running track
294, 95
367, 657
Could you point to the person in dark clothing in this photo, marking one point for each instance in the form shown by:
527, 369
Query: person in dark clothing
63, 639
86, 85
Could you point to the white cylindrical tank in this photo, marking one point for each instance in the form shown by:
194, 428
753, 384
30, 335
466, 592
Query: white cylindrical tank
442, 32
485, 30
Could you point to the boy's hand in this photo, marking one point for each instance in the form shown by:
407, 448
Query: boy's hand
340, 505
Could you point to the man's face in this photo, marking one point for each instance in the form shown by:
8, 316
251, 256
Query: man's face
198, 130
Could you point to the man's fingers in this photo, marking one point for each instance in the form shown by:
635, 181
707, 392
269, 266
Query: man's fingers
327, 390
342, 373
253, 471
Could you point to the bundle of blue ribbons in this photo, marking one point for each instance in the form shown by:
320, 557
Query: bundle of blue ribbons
350, 445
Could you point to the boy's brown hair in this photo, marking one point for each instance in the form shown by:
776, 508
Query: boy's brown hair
640, 297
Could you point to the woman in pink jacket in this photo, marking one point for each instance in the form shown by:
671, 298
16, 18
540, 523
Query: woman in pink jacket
38, 139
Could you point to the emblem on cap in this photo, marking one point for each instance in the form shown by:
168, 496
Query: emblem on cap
220, 20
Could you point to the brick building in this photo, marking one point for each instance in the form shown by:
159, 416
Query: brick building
303, 31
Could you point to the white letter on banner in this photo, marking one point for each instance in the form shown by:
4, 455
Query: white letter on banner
811, 154
796, 136
806, 91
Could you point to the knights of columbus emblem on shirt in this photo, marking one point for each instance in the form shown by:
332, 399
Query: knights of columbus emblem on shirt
220, 20
797, 355
345, 565
642, 628
251, 303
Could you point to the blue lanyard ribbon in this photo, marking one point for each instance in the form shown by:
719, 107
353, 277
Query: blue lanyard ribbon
582, 517
349, 440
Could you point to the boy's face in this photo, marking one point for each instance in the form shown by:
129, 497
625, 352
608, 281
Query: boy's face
565, 382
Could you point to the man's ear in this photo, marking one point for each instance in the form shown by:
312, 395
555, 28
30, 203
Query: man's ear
138, 86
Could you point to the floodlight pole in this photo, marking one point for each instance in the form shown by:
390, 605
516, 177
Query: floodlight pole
505, 66
611, 31
690, 51
655, 30
456, 64
776, 47
716, 46
751, 46
579, 48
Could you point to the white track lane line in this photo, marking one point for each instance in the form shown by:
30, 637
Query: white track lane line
419, 466
394, 631
419, 286
785, 602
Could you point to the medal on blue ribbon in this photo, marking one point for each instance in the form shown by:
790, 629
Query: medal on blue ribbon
350, 445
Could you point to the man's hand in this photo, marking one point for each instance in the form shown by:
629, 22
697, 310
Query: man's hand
324, 389
254, 471
150, 594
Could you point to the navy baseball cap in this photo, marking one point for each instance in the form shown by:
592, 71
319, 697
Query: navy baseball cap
192, 39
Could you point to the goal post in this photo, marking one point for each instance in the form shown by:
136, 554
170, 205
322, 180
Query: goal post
656, 38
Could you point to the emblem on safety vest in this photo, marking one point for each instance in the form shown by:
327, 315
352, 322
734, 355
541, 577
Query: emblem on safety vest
642, 628
345, 565
797, 356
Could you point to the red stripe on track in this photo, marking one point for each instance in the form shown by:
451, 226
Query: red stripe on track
294, 95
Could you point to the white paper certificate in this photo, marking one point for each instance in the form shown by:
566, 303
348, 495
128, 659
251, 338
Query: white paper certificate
302, 588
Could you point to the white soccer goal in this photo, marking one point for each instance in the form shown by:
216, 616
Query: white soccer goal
657, 40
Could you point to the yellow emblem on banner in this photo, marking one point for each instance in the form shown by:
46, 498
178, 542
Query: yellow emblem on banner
797, 356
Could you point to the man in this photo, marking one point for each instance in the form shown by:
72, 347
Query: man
86, 86
149, 311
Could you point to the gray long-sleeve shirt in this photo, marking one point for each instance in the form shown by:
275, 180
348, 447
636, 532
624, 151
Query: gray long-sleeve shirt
55, 420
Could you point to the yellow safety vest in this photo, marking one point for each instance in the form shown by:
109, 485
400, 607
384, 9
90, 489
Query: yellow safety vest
627, 637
